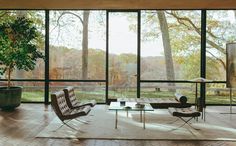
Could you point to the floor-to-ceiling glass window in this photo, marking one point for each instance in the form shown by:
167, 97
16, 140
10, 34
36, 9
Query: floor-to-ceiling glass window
78, 52
221, 29
122, 39
170, 51
33, 88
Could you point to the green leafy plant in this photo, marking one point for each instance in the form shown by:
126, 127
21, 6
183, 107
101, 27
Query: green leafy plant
18, 46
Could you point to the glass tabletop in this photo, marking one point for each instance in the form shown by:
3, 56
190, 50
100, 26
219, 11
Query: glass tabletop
130, 106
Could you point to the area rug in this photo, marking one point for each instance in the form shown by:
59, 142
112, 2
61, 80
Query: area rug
160, 125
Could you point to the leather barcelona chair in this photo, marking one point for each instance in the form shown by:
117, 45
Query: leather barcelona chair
64, 112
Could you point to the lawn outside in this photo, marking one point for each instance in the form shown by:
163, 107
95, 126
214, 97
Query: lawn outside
99, 95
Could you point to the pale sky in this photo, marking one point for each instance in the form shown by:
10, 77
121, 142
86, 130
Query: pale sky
121, 39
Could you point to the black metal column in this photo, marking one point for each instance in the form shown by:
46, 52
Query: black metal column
138, 53
203, 57
46, 87
107, 55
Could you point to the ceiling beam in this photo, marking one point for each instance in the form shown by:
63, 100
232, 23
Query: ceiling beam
117, 4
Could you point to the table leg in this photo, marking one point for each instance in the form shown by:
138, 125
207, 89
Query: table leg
141, 117
196, 100
202, 113
230, 94
116, 121
204, 118
144, 119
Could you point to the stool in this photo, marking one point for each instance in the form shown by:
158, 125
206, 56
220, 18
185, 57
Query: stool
181, 113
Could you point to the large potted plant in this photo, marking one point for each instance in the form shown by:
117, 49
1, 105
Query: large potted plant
18, 50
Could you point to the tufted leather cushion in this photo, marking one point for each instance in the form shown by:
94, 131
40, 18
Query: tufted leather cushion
61, 101
69, 91
184, 112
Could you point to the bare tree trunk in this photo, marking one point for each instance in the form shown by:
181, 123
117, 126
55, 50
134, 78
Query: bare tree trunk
167, 48
85, 45
9, 78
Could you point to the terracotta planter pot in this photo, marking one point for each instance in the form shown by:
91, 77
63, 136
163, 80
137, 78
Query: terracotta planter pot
10, 98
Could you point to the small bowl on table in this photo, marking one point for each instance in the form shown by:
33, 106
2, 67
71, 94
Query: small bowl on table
122, 103
139, 105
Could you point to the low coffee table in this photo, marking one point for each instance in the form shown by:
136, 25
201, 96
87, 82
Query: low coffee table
130, 106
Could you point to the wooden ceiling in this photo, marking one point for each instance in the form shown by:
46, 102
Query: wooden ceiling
117, 4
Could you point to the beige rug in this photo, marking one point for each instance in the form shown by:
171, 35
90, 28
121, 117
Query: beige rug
159, 126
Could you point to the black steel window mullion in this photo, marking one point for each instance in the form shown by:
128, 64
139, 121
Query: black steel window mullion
166, 81
46, 88
175, 81
27, 80
62, 80
107, 55
138, 53
203, 56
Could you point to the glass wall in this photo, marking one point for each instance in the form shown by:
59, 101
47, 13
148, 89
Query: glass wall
77, 45
32, 90
38, 17
170, 45
170, 50
122, 54
78, 51
221, 29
